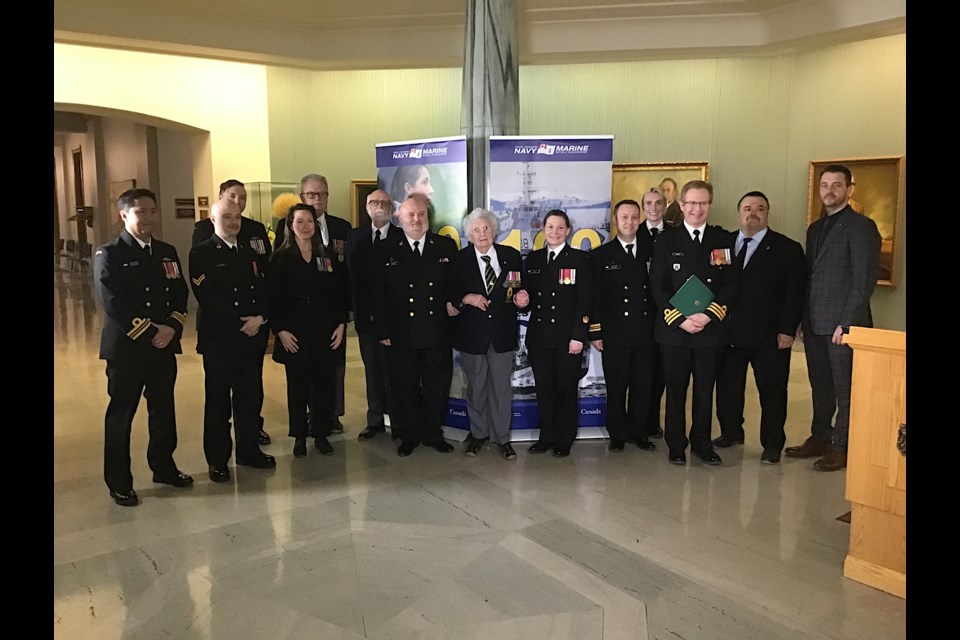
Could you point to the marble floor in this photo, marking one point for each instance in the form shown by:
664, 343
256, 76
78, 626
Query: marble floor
363, 544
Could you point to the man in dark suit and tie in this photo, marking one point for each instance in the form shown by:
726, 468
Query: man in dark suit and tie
411, 289
361, 244
673, 215
254, 235
760, 327
622, 328
843, 258
140, 284
692, 346
654, 203
231, 337
485, 277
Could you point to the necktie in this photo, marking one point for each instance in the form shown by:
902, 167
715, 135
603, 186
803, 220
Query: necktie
696, 236
416, 248
489, 275
146, 248
630, 251
376, 237
743, 250
654, 231
550, 257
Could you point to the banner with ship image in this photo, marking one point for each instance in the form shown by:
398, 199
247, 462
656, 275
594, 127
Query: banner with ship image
528, 177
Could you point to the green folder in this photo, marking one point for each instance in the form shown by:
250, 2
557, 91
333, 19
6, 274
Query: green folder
693, 297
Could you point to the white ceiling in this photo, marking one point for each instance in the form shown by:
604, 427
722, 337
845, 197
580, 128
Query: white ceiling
358, 34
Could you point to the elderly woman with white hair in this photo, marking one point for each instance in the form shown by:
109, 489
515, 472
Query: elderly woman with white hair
486, 294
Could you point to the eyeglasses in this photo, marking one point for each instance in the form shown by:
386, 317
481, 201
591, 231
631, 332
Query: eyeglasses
696, 203
382, 203
315, 194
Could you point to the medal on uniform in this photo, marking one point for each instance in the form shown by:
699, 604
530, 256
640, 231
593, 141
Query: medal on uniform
256, 272
171, 269
568, 276
720, 257
510, 282
338, 249
257, 245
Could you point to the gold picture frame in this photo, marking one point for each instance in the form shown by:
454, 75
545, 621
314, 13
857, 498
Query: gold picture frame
359, 190
632, 179
878, 192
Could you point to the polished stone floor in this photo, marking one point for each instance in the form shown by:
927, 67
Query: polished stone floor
363, 544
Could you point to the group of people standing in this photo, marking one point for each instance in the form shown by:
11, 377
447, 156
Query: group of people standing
414, 296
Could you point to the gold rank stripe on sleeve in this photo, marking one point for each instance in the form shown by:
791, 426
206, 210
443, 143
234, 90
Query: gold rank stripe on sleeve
139, 326
594, 327
179, 317
718, 310
670, 315
197, 281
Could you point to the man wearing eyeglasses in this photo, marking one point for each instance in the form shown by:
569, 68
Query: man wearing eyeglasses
334, 231
692, 346
360, 247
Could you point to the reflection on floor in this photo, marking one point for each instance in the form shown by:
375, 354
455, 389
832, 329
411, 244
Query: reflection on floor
366, 544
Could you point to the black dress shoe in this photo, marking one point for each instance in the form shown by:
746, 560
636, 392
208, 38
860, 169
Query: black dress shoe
219, 474
263, 437
406, 448
506, 450
656, 433
770, 457
811, 448
561, 452
300, 448
616, 445
263, 461
724, 442
323, 445
677, 457
538, 447
709, 457
125, 498
474, 445
176, 479
336, 426
442, 446
645, 444
369, 432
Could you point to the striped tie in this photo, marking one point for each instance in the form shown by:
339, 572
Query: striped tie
488, 274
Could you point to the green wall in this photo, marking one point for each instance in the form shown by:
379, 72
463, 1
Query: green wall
758, 121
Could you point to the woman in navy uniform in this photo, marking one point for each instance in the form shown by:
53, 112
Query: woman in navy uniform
309, 319
558, 281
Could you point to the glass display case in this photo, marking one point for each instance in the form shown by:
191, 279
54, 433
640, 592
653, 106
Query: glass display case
269, 202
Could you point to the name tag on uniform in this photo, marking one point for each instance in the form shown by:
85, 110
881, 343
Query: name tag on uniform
132, 263
392, 263
534, 272
611, 267
568, 276
443, 260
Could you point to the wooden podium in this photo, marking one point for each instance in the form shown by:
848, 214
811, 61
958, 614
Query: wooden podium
876, 468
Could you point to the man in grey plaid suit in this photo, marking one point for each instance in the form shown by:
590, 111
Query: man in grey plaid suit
843, 257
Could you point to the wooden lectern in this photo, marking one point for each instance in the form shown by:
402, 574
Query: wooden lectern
876, 467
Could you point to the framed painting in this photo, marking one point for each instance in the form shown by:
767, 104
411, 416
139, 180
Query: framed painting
877, 191
631, 180
359, 190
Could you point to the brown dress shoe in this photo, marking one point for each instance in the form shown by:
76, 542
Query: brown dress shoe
809, 449
833, 461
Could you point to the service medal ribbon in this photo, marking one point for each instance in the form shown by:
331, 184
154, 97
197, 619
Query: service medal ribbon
257, 245
171, 270
256, 272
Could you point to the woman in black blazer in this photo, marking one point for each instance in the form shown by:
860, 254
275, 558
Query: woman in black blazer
309, 320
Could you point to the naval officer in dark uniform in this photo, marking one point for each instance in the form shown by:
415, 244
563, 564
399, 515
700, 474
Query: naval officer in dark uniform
622, 327
232, 338
411, 291
254, 235
558, 281
140, 284
692, 346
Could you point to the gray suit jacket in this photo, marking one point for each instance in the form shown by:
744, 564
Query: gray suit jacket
842, 274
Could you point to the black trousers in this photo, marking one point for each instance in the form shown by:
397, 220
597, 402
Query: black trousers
679, 364
628, 372
420, 384
556, 376
154, 377
230, 383
656, 391
309, 383
830, 369
771, 371
374, 358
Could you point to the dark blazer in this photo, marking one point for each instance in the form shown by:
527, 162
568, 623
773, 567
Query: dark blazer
623, 307
673, 215
409, 294
770, 296
307, 301
359, 266
228, 285
559, 312
676, 257
138, 291
474, 329
842, 274
252, 234
338, 233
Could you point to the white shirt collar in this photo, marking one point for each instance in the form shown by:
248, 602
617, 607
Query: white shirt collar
653, 226
690, 229
624, 243
557, 251
422, 241
142, 243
